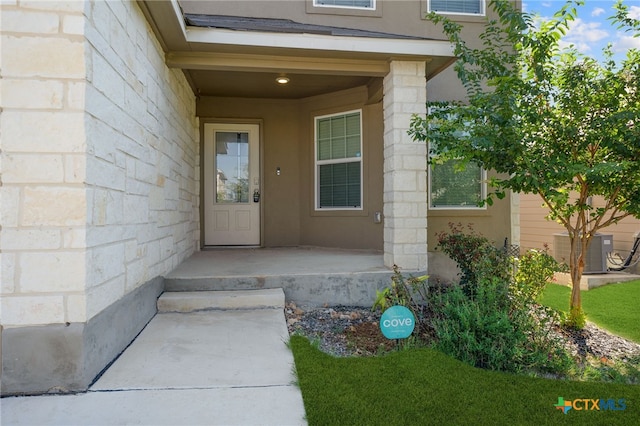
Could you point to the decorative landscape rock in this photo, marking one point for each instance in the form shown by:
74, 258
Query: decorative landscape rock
354, 331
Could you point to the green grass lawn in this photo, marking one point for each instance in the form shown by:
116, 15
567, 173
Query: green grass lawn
613, 306
426, 387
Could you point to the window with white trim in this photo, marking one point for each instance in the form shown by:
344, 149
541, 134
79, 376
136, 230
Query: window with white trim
461, 7
347, 4
453, 185
338, 158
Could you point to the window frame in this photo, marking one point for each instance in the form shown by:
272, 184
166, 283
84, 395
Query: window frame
347, 11
318, 163
483, 10
475, 207
333, 6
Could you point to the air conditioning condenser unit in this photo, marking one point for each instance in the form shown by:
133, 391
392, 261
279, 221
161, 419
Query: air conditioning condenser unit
595, 261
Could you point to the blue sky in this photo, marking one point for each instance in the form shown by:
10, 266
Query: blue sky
592, 30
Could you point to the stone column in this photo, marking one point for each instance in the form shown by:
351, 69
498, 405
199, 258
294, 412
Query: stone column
405, 168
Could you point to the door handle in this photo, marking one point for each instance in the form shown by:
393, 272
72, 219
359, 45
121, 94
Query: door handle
256, 196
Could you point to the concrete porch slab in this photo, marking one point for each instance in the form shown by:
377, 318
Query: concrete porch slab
238, 262
309, 276
590, 281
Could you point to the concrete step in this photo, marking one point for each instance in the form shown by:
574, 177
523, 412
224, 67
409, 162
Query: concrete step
309, 276
350, 289
192, 301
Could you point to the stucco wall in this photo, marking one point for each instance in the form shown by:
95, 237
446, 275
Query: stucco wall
99, 160
393, 16
279, 147
496, 223
352, 229
289, 218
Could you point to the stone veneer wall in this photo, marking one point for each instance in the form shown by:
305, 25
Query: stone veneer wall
142, 156
405, 168
99, 163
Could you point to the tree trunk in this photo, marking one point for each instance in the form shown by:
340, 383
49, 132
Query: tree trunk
576, 266
576, 276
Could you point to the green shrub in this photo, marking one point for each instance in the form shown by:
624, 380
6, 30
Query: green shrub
535, 269
475, 256
411, 292
576, 319
492, 319
485, 331
478, 330
402, 291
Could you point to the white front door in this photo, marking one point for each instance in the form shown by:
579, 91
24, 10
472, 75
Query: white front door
231, 184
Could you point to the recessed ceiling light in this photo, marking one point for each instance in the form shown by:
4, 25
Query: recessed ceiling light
282, 80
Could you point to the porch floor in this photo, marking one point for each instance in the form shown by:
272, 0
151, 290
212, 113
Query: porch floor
309, 275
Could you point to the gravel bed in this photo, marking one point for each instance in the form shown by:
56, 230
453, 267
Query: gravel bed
595, 341
354, 331
334, 328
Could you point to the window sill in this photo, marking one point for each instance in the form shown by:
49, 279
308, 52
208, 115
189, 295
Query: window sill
340, 213
478, 212
456, 17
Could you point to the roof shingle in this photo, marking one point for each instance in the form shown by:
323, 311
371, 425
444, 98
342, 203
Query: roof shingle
240, 23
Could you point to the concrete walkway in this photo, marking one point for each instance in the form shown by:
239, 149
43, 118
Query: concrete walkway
197, 365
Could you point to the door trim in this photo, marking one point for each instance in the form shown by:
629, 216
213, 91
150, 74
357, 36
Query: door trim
204, 121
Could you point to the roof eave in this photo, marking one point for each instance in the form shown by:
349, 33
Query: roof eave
167, 21
376, 47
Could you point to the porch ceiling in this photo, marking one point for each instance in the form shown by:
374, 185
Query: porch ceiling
223, 62
263, 84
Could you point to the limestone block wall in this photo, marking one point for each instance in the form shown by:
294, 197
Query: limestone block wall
405, 168
142, 156
43, 195
99, 159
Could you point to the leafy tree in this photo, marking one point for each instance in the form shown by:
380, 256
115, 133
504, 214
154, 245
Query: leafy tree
549, 121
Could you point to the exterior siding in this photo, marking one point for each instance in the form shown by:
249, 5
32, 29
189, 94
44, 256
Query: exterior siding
536, 231
405, 17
